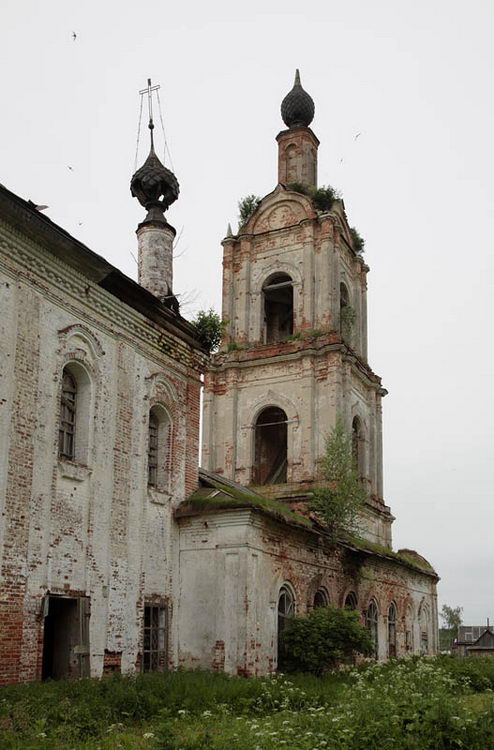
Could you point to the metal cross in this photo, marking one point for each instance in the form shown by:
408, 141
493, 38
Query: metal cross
149, 91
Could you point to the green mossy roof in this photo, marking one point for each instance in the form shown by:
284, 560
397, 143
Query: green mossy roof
232, 495
363, 544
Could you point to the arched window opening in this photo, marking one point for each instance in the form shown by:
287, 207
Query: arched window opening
270, 454
424, 621
278, 307
371, 621
409, 629
357, 446
286, 610
159, 433
392, 617
351, 601
321, 599
68, 406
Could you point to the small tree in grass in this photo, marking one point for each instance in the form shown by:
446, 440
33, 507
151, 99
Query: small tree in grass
452, 618
339, 504
323, 639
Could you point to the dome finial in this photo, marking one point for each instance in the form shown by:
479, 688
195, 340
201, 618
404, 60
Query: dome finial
154, 186
297, 108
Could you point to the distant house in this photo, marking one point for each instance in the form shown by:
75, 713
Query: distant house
474, 640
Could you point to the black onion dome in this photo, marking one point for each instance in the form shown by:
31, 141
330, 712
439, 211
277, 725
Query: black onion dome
152, 182
297, 108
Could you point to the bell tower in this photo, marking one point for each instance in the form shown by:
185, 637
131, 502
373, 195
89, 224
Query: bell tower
294, 355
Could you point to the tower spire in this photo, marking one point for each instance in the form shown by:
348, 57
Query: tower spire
156, 188
297, 146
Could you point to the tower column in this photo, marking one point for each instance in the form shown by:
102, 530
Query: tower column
155, 258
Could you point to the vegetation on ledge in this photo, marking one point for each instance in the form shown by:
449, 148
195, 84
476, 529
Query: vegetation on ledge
322, 198
378, 549
246, 208
232, 497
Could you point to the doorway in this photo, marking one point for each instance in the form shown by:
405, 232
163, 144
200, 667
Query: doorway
66, 637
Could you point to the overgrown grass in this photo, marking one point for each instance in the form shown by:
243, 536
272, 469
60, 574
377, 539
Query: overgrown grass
418, 704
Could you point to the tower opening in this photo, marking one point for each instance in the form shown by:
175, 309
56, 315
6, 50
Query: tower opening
270, 455
278, 307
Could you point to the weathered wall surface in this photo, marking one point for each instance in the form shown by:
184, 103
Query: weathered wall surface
233, 565
88, 527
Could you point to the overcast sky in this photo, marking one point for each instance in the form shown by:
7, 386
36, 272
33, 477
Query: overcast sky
415, 79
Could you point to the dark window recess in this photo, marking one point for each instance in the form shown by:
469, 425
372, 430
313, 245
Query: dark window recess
371, 622
270, 457
66, 432
286, 610
321, 599
153, 450
154, 652
357, 446
392, 631
351, 601
278, 308
65, 637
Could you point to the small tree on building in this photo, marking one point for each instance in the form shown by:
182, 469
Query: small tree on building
339, 504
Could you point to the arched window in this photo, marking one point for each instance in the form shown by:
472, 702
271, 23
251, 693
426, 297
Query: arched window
159, 444
351, 601
278, 307
409, 628
286, 610
347, 314
68, 406
371, 621
392, 617
270, 451
357, 446
321, 598
424, 623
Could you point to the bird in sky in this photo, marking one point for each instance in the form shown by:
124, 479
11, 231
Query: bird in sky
69, 167
74, 36
357, 136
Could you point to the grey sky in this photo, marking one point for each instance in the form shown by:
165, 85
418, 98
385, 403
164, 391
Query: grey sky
415, 79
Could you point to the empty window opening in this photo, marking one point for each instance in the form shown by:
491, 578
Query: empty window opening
278, 307
357, 446
65, 638
351, 601
68, 405
286, 610
392, 631
159, 442
154, 652
270, 455
321, 599
371, 621
424, 620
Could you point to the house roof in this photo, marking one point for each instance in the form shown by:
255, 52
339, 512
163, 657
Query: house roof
468, 634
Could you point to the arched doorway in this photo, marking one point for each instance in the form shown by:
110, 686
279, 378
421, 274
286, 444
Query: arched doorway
270, 449
392, 631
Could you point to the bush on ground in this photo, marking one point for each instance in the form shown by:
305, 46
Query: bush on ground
324, 638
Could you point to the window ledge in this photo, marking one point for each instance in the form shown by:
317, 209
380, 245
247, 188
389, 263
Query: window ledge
73, 470
158, 496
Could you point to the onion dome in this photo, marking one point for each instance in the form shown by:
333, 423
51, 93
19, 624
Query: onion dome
297, 108
154, 186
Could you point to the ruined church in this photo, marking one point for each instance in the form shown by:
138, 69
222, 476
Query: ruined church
117, 553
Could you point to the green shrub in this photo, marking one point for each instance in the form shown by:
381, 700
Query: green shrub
246, 208
322, 198
358, 241
324, 638
209, 329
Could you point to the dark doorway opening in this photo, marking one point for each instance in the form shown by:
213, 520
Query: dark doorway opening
270, 455
278, 307
286, 610
66, 638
